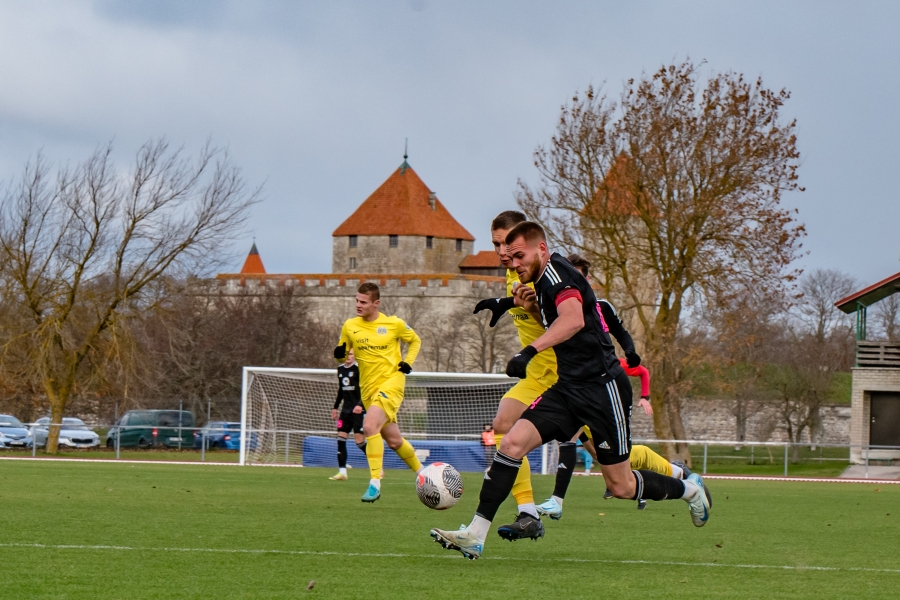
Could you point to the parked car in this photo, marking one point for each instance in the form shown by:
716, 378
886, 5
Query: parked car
13, 434
73, 433
219, 434
153, 428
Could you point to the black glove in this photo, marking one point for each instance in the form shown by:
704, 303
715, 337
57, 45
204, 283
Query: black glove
340, 352
632, 359
518, 364
404, 367
497, 306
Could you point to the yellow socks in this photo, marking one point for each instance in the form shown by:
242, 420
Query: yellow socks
375, 455
408, 454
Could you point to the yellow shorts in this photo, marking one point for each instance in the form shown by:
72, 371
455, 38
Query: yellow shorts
528, 389
388, 397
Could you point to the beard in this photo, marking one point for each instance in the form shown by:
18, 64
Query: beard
532, 270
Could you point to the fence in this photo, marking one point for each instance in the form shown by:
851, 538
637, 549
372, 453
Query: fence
722, 456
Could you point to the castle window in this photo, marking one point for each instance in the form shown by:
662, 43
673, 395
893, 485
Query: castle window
352, 262
353, 241
429, 241
392, 241
459, 245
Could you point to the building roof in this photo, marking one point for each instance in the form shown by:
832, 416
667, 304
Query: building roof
486, 259
253, 265
870, 295
403, 205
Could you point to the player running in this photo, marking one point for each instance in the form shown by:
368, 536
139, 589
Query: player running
541, 375
641, 457
351, 415
375, 340
592, 390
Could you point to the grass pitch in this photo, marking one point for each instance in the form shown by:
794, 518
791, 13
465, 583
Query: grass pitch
86, 530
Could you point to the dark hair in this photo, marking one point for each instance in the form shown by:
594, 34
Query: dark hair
580, 263
370, 289
507, 220
532, 232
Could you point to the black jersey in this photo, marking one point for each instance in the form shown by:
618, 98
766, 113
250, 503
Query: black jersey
615, 326
348, 388
588, 356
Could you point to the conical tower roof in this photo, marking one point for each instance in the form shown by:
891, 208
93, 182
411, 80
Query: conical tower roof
253, 265
403, 205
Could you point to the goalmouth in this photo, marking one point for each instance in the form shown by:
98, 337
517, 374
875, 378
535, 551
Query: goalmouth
286, 419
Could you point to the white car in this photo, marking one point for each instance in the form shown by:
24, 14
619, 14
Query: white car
73, 433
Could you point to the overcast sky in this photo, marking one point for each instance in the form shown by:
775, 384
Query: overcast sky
314, 99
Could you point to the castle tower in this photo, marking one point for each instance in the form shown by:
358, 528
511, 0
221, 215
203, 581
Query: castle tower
401, 228
253, 265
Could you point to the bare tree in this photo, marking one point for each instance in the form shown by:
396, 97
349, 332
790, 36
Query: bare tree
84, 250
887, 317
819, 290
676, 189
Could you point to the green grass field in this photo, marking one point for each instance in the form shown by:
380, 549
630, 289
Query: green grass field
87, 530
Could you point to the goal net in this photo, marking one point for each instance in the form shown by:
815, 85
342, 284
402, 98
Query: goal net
286, 418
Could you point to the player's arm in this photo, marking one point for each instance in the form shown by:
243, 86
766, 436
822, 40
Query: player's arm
497, 306
618, 331
340, 396
415, 343
340, 351
569, 321
525, 298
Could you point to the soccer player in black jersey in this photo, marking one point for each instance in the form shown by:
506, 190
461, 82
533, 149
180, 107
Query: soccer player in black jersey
592, 390
351, 414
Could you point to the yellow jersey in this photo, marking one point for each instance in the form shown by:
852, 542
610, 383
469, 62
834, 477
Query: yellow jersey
376, 345
544, 364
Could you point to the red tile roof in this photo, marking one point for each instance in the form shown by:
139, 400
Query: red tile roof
486, 259
403, 205
870, 295
253, 265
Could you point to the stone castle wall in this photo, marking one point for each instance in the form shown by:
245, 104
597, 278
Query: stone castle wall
373, 254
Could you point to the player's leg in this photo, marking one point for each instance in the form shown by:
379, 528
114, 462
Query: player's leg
341, 453
611, 430
497, 485
508, 412
568, 456
375, 420
399, 444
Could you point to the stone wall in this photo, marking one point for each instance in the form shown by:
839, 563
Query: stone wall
373, 254
714, 420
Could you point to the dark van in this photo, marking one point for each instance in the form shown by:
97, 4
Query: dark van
153, 429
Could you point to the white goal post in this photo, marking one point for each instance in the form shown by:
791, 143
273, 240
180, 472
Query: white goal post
286, 418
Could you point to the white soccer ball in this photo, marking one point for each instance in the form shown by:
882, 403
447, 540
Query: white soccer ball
439, 486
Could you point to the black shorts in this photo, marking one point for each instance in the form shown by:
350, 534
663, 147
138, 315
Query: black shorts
349, 421
604, 408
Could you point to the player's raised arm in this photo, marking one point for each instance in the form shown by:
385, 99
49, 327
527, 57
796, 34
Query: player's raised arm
497, 306
415, 344
618, 331
340, 351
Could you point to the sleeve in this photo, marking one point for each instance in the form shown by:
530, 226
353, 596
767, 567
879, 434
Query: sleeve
344, 339
616, 328
644, 374
409, 336
340, 394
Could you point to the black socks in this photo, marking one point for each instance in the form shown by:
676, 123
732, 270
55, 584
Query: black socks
497, 485
567, 458
342, 453
653, 486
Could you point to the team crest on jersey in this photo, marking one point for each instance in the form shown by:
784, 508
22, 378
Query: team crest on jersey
382, 331
346, 381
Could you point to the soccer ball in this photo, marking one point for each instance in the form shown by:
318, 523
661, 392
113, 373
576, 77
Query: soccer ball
439, 486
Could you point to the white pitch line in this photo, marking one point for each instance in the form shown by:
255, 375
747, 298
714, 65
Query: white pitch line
779, 478
665, 563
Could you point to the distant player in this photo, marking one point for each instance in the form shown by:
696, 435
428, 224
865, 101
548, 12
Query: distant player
592, 390
350, 417
541, 375
375, 340
641, 457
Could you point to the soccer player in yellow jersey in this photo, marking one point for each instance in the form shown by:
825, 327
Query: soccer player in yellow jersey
375, 340
541, 370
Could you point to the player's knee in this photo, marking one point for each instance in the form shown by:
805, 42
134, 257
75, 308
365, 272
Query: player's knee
512, 447
393, 444
621, 489
501, 425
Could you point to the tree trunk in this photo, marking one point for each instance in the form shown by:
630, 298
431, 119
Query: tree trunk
57, 410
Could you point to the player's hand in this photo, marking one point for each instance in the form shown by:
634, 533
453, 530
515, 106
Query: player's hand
518, 364
497, 306
632, 360
404, 367
525, 297
645, 404
340, 352
334, 414
357, 410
